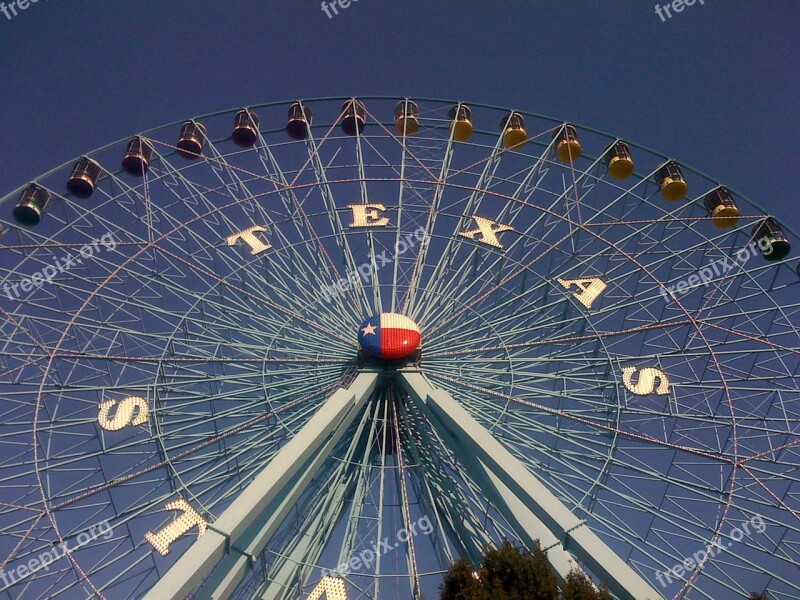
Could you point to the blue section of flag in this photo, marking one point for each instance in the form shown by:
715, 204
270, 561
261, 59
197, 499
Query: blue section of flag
371, 341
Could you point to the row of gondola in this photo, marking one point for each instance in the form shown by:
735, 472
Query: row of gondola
566, 146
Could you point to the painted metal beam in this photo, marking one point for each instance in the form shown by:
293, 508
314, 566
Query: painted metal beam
576, 537
453, 513
336, 414
522, 519
294, 563
235, 565
293, 567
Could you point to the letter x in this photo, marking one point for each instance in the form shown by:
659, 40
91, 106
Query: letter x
488, 231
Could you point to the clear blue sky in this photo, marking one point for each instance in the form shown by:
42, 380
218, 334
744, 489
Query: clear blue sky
715, 86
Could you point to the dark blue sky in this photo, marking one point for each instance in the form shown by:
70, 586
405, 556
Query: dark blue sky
715, 86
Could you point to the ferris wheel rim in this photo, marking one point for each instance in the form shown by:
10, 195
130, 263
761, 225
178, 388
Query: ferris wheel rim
563, 217
666, 157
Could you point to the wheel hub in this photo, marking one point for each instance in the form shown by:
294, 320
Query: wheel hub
389, 336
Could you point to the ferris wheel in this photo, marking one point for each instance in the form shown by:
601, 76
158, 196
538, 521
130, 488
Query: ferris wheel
324, 355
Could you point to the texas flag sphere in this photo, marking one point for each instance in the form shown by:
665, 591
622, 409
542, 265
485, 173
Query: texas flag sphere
389, 336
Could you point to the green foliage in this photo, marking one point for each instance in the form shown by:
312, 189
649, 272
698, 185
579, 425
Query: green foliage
579, 587
459, 584
513, 575
510, 574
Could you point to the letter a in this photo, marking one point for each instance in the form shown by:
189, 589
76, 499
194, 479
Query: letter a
590, 289
332, 588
